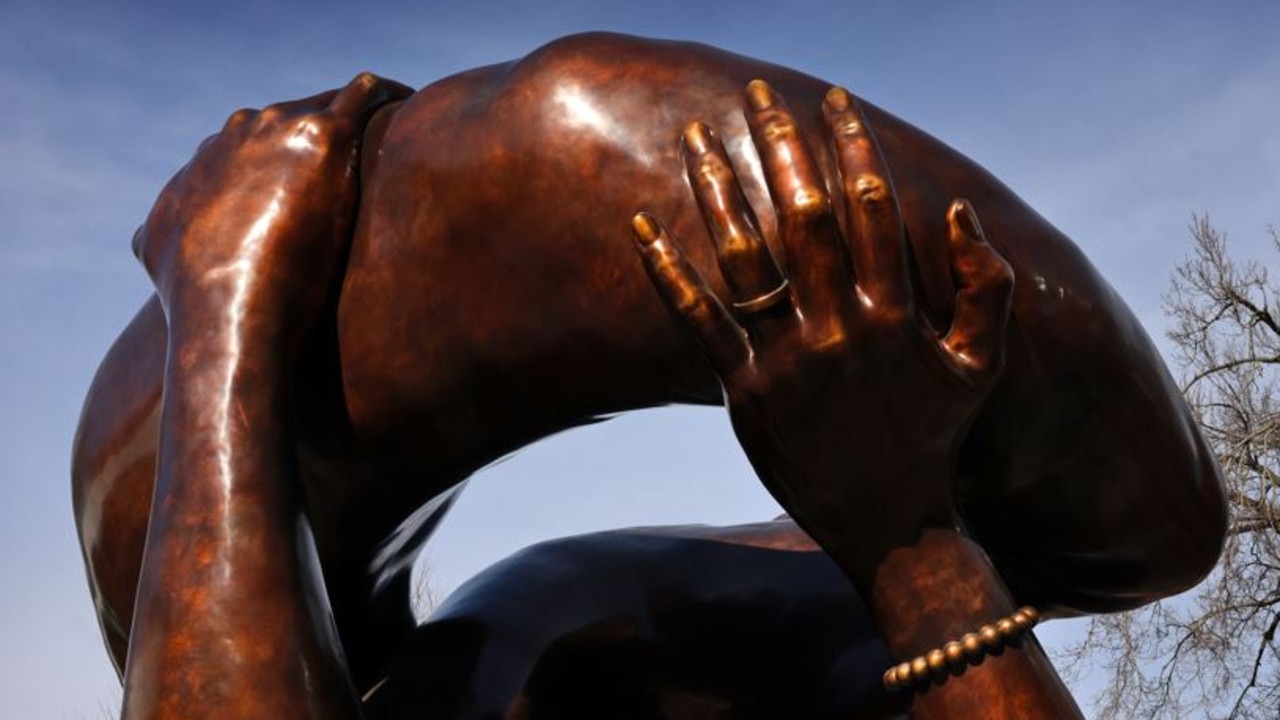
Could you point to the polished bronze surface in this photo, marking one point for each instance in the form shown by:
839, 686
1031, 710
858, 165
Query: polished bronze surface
230, 617
953, 656
683, 623
849, 374
491, 296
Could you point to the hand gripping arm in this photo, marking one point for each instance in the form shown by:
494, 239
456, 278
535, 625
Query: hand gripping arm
244, 245
848, 403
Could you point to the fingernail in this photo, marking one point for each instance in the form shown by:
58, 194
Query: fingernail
645, 228
697, 137
968, 219
759, 95
838, 99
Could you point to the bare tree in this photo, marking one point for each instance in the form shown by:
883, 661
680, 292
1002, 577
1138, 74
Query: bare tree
1213, 652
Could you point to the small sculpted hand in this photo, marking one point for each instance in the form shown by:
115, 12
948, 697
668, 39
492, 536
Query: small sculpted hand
848, 403
260, 218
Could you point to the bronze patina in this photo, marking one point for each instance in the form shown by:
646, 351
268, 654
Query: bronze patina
365, 296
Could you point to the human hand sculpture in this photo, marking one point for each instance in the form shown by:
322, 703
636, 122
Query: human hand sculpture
259, 220
849, 404
244, 245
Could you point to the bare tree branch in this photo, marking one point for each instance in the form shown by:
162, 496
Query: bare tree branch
1213, 652
1267, 636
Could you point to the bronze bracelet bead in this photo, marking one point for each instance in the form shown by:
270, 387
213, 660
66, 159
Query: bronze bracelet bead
954, 652
969, 649
937, 660
1021, 621
972, 645
990, 638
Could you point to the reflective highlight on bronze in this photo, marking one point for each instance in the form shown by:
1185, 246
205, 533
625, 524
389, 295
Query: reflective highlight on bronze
827, 389
386, 350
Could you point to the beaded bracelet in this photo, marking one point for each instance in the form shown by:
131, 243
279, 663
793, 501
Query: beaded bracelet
968, 650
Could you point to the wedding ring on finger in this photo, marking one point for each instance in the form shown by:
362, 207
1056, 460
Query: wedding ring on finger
760, 303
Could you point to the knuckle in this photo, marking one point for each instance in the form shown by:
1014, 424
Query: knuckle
833, 340
682, 295
996, 276
806, 204
738, 247
365, 80
889, 318
884, 317
270, 115
778, 126
697, 307
874, 199
240, 117
872, 191
848, 126
711, 173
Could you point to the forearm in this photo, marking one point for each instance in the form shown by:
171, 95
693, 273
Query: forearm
940, 589
244, 245
927, 584
231, 616
849, 405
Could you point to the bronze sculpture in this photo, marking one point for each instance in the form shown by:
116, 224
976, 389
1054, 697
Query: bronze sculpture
837, 327
751, 621
424, 368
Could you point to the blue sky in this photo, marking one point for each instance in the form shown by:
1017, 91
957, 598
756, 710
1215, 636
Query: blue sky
1115, 120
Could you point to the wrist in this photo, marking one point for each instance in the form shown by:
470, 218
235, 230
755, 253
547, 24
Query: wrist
224, 310
222, 388
936, 590
211, 336
886, 508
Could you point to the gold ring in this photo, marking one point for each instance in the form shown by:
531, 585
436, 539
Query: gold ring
764, 302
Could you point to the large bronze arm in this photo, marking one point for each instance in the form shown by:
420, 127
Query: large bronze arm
525, 312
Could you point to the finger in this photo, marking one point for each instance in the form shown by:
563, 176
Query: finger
235, 120
876, 241
745, 260
314, 103
684, 291
364, 94
984, 282
806, 227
